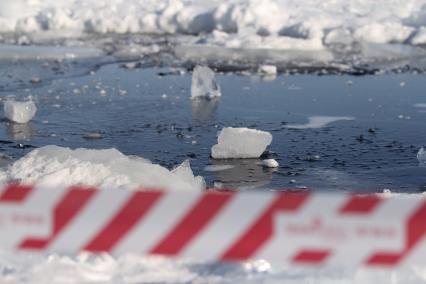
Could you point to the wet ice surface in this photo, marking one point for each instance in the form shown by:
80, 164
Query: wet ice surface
148, 112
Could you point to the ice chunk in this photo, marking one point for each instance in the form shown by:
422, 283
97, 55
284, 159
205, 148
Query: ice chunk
241, 143
184, 172
421, 156
268, 69
53, 166
204, 83
20, 112
318, 122
270, 163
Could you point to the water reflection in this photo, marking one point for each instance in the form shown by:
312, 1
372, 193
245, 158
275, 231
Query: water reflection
204, 109
16, 131
244, 173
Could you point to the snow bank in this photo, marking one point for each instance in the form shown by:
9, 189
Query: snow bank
53, 165
248, 24
204, 84
240, 143
20, 112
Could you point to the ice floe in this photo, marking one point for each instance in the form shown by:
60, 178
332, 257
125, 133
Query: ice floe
318, 122
218, 168
240, 143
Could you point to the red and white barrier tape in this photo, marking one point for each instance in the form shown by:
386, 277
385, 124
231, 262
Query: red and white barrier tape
285, 228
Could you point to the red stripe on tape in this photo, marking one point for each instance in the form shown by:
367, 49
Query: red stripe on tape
361, 204
415, 231
138, 205
262, 229
15, 193
70, 205
205, 209
311, 256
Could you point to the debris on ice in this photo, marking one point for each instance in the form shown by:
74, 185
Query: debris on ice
53, 166
421, 156
20, 112
318, 122
204, 83
240, 143
270, 163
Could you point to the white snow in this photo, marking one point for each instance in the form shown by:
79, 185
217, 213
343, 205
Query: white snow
270, 163
318, 122
19, 112
204, 83
421, 156
54, 165
240, 143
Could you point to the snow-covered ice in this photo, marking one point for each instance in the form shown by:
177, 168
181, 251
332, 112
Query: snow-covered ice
303, 22
54, 165
204, 84
306, 29
270, 163
421, 156
19, 112
240, 143
318, 122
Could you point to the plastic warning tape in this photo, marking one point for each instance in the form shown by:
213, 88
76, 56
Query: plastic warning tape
286, 228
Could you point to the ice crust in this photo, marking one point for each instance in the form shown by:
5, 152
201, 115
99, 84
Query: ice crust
19, 112
204, 84
54, 165
240, 143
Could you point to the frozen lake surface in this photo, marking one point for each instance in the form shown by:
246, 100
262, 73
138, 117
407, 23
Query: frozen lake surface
333, 132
